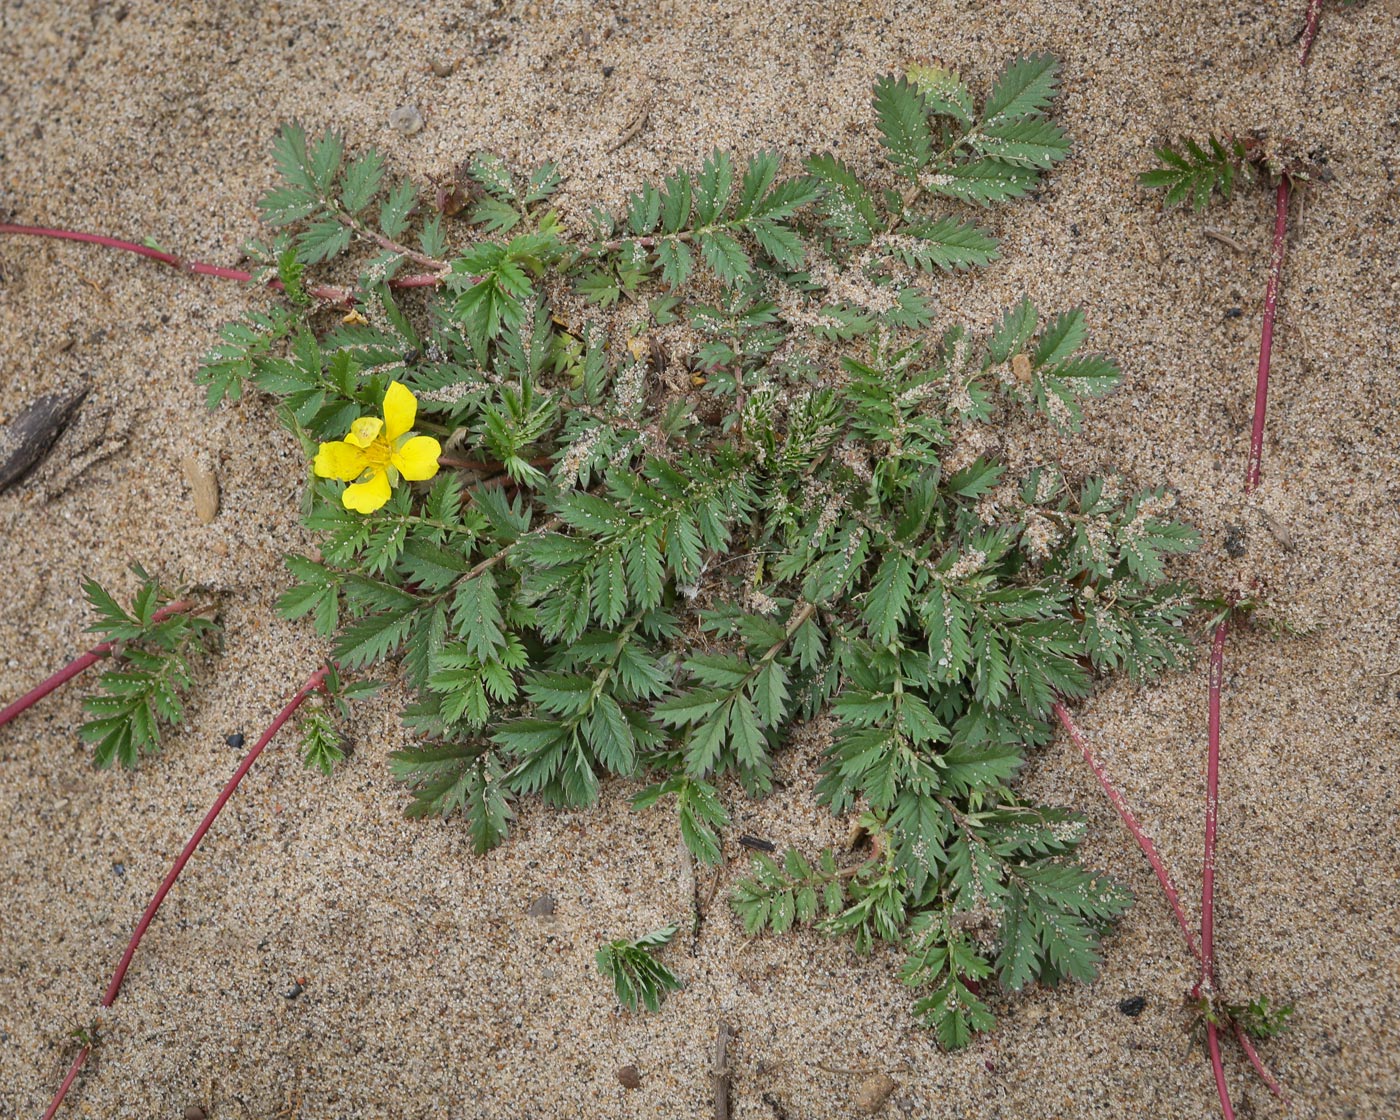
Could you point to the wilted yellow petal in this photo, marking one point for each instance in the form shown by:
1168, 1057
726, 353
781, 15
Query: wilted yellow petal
400, 410
364, 430
366, 497
417, 459
340, 460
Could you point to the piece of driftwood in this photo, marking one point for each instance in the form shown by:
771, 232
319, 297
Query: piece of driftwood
31, 435
720, 1071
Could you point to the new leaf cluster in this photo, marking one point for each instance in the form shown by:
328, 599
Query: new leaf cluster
140, 693
712, 478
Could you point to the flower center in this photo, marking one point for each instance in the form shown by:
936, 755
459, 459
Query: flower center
377, 453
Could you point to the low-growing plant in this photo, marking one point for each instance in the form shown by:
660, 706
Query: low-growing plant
710, 472
150, 645
639, 979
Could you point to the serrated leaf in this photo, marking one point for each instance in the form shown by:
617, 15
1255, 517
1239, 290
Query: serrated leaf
887, 602
476, 615
725, 256
947, 244
395, 209
1061, 339
1032, 142
1026, 86
943, 91
362, 179
983, 181
847, 207
902, 118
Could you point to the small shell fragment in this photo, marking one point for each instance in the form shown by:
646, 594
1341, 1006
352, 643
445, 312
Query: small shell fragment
204, 488
1021, 367
873, 1092
406, 119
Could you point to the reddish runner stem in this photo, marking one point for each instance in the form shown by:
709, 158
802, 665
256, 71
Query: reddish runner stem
313, 683
77, 665
1130, 822
1205, 987
1266, 339
320, 291
77, 1065
1217, 674
1227, 1110
1309, 31
1258, 1063
251, 757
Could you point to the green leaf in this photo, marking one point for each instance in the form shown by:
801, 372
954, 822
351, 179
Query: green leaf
902, 118
725, 256
1014, 331
887, 602
289, 155
948, 244
362, 179
847, 207
394, 211
1061, 339
943, 92
322, 240
1197, 174
1025, 87
476, 615
638, 979
983, 181
1031, 142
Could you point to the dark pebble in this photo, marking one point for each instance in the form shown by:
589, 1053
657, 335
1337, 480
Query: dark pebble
542, 907
235, 740
1233, 312
194, 1112
295, 990
119, 869
608, 71
1234, 541
1133, 1006
629, 1077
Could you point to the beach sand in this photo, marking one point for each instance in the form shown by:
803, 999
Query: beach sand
426, 988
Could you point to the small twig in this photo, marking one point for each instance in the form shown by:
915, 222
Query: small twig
720, 1072
1225, 239
109, 997
631, 132
1266, 338
78, 664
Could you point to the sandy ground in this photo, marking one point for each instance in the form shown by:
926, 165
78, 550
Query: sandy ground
428, 990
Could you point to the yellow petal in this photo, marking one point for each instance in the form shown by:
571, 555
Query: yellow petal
368, 496
417, 459
339, 460
400, 410
364, 430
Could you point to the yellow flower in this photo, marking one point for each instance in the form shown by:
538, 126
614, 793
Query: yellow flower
377, 452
